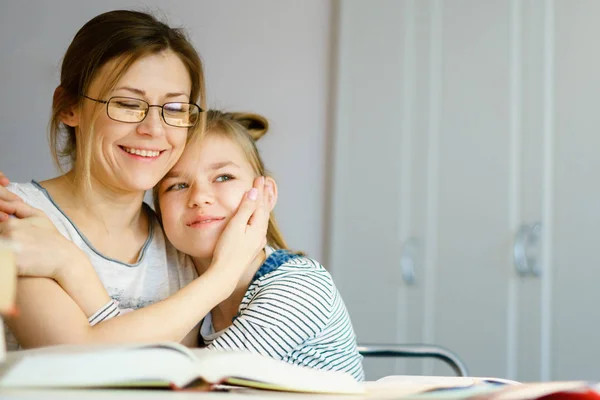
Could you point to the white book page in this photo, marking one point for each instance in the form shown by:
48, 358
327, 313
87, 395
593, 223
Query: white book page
100, 368
445, 381
217, 365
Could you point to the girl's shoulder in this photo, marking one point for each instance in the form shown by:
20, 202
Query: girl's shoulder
302, 264
294, 267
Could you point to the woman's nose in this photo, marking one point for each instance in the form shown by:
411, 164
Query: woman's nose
153, 124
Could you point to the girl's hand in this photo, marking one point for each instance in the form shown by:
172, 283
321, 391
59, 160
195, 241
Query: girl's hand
40, 250
245, 235
6, 195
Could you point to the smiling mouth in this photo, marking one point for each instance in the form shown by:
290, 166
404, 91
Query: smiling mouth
141, 152
205, 222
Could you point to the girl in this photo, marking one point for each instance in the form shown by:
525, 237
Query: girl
131, 94
285, 305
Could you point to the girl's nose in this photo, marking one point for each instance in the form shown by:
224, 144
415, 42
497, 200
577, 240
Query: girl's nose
200, 194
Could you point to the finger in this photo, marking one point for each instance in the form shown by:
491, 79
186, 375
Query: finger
18, 208
6, 194
250, 200
268, 193
3, 216
260, 217
3, 179
259, 184
245, 209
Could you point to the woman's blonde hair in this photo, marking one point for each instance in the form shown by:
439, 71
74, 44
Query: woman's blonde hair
244, 129
123, 36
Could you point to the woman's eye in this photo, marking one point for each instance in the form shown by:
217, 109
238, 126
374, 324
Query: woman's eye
224, 178
129, 105
177, 186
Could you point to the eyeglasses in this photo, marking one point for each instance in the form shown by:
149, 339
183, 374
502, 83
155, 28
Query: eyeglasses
131, 110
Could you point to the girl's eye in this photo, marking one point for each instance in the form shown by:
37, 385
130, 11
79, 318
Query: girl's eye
177, 186
224, 178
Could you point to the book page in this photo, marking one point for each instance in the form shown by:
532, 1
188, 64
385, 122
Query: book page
243, 368
116, 367
166, 365
447, 381
436, 386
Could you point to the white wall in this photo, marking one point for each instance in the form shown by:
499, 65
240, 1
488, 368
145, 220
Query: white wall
266, 56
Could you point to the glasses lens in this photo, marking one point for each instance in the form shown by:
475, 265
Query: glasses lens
182, 115
125, 109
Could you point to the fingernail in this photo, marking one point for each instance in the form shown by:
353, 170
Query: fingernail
253, 194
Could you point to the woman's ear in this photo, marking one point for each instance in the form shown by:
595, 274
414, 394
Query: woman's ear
271, 192
70, 115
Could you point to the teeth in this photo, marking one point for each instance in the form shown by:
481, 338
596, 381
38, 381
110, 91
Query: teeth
142, 153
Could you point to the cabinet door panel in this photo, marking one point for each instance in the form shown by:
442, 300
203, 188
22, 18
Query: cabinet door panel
575, 258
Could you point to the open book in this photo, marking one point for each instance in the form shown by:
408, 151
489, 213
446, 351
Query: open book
454, 387
166, 365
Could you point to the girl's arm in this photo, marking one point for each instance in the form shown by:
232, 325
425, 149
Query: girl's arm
51, 315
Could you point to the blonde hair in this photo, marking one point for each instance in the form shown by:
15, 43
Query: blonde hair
244, 129
123, 36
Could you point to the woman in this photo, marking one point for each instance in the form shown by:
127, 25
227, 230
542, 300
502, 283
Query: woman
121, 116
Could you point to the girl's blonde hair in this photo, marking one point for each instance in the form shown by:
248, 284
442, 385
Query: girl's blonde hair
125, 37
244, 129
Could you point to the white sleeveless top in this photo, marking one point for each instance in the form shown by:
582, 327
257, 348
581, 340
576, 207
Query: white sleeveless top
160, 270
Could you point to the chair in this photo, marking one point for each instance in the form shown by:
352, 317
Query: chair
415, 351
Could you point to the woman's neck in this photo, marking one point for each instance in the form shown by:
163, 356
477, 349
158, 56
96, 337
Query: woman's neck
224, 312
113, 209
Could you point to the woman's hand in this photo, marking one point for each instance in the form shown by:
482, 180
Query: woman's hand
3, 179
40, 249
6, 195
245, 234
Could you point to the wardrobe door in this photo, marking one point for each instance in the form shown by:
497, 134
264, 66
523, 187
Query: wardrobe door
371, 192
469, 242
420, 227
570, 309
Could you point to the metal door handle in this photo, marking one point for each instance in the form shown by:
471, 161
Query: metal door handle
526, 249
410, 259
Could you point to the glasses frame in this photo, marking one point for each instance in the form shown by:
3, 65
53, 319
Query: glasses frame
162, 109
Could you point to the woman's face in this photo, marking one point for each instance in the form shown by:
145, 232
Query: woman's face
133, 157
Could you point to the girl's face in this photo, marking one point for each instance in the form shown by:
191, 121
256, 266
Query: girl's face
202, 192
130, 157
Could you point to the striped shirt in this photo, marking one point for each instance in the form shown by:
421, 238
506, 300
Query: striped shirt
293, 312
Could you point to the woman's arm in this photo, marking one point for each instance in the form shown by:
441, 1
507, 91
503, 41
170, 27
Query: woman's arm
51, 315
